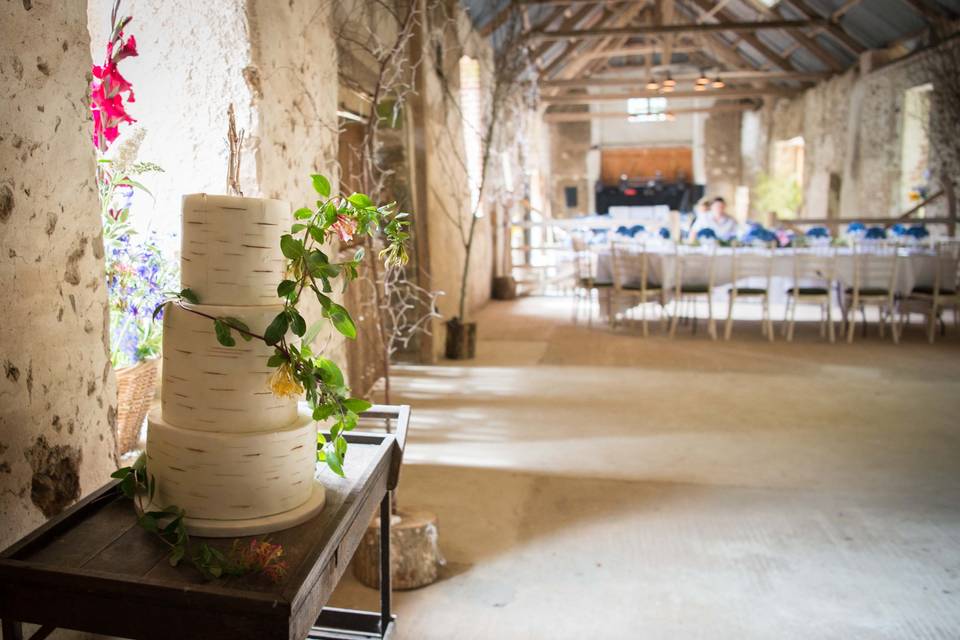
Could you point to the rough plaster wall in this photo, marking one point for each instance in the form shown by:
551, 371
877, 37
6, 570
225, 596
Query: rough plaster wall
192, 62
722, 154
293, 79
57, 391
447, 186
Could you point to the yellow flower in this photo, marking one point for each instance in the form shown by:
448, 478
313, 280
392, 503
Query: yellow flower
283, 384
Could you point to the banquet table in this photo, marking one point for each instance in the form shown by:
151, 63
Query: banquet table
917, 267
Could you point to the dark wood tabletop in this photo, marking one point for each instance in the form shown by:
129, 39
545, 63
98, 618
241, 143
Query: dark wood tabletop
93, 569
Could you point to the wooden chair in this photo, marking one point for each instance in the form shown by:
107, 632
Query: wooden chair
944, 294
751, 265
585, 285
686, 263
632, 283
820, 266
875, 271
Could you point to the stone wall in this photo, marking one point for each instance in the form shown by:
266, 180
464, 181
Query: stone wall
57, 391
851, 126
570, 143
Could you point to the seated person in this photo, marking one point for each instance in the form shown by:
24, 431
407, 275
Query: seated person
701, 213
722, 223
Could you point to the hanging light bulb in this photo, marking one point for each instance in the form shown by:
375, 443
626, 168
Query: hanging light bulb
652, 85
718, 83
670, 116
669, 81
702, 81
699, 87
667, 88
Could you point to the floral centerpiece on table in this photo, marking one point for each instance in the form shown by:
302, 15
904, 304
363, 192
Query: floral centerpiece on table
136, 273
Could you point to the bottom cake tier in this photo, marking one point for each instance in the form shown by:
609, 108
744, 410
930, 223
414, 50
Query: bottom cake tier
235, 477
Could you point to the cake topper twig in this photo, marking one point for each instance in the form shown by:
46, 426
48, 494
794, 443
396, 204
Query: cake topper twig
235, 144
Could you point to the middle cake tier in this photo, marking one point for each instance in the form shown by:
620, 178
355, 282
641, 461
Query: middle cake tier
210, 387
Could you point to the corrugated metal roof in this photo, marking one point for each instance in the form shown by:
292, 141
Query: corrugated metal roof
871, 24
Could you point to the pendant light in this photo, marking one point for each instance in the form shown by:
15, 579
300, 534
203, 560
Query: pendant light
718, 83
702, 81
652, 85
669, 82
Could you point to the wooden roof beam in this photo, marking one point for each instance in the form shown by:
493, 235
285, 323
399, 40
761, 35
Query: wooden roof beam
843, 9
580, 116
639, 30
497, 20
589, 67
634, 51
640, 92
563, 58
749, 37
799, 76
572, 21
833, 28
807, 42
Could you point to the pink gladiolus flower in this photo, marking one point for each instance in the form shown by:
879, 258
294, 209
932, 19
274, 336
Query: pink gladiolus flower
344, 227
128, 49
110, 91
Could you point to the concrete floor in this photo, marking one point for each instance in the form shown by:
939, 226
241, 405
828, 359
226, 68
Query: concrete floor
592, 484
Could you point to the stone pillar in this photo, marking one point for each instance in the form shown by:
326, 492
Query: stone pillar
722, 155
57, 391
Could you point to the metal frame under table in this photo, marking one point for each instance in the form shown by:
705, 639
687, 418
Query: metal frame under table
93, 569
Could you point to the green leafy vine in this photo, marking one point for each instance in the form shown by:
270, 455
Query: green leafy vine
297, 369
257, 557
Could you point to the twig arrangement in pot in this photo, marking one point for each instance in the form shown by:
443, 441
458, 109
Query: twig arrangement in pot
503, 89
397, 297
401, 307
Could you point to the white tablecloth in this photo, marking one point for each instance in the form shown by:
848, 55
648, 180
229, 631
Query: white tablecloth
917, 268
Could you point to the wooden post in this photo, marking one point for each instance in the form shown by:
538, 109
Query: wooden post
951, 206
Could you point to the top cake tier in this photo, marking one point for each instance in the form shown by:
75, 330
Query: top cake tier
230, 252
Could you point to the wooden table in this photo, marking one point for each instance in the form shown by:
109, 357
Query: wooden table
93, 569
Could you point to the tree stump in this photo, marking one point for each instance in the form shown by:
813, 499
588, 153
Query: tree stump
414, 552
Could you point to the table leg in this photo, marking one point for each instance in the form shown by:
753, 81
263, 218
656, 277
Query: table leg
12, 630
385, 514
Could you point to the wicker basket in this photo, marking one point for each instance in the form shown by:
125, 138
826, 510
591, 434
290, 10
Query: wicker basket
136, 387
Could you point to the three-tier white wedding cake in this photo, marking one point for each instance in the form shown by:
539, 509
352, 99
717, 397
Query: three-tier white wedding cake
237, 458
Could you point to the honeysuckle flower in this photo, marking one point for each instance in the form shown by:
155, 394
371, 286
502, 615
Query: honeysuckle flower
261, 556
283, 384
344, 227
